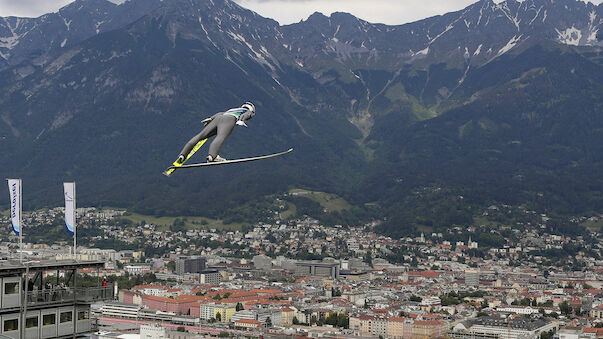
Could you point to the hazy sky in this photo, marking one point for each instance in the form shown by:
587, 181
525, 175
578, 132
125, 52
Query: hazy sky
288, 11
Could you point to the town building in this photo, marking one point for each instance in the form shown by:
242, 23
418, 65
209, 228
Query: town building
30, 309
489, 327
472, 277
210, 277
152, 331
190, 265
248, 324
319, 269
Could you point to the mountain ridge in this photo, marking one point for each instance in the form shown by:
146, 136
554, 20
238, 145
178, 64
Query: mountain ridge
348, 95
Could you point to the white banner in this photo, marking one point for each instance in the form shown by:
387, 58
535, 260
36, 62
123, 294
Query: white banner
14, 188
69, 206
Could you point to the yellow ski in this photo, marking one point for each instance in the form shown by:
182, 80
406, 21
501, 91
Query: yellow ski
176, 164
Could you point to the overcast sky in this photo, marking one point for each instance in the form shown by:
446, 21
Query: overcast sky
390, 12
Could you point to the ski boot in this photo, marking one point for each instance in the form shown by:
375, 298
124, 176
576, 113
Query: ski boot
218, 158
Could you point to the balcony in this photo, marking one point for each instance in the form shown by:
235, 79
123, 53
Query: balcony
68, 295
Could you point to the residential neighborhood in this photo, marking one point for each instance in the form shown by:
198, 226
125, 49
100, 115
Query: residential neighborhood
299, 277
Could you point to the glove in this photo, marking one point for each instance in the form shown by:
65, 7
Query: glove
206, 121
241, 123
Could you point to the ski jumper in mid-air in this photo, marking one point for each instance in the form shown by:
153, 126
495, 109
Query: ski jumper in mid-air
220, 125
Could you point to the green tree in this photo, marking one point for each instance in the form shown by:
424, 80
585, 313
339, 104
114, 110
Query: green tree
565, 308
368, 258
239, 307
547, 335
415, 298
178, 225
218, 317
343, 320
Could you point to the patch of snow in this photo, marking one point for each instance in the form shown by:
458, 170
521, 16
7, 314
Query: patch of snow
570, 36
13, 40
10, 42
206, 33
467, 23
449, 27
544, 17
257, 56
478, 50
536, 16
422, 52
503, 7
98, 25
592, 38
299, 63
593, 29
67, 23
481, 11
234, 63
466, 54
63, 43
509, 45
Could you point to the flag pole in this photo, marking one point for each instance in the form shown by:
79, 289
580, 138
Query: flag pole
70, 213
74, 223
20, 221
15, 190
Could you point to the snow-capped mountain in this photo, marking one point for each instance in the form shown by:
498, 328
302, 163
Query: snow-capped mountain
477, 33
29, 38
481, 31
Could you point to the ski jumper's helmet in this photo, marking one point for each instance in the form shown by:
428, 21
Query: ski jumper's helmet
250, 107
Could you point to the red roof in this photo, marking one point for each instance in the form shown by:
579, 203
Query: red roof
427, 274
168, 300
260, 291
598, 331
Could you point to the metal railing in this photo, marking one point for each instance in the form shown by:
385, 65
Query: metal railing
66, 295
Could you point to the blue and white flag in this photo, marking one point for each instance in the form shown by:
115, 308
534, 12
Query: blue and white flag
69, 206
14, 188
